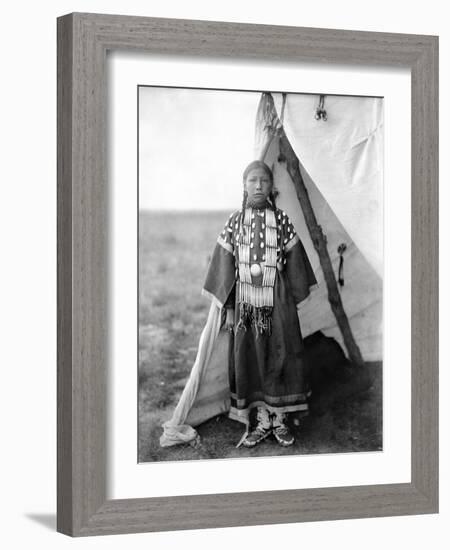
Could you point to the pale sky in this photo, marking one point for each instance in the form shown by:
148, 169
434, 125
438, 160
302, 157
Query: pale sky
193, 147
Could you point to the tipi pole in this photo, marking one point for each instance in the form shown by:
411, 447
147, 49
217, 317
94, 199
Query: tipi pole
319, 240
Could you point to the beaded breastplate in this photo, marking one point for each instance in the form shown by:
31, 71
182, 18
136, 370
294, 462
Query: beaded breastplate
257, 265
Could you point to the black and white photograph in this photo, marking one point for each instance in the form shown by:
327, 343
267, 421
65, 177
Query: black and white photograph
260, 273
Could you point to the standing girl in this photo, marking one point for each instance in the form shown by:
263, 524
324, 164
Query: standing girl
259, 273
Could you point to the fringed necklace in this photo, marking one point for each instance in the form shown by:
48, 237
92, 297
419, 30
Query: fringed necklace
257, 278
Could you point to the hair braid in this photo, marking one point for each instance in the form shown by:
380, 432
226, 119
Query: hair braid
244, 206
272, 196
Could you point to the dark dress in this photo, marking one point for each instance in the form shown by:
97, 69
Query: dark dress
266, 367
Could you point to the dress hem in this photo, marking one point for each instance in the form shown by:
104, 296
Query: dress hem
242, 415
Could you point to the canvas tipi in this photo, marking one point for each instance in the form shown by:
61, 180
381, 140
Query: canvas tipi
337, 145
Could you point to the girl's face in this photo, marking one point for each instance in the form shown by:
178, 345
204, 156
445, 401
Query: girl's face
258, 186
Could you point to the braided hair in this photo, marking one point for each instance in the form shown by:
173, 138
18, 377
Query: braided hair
272, 196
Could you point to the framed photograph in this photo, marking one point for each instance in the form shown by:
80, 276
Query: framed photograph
247, 274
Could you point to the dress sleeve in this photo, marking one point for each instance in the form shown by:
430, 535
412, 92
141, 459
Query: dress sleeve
298, 268
220, 278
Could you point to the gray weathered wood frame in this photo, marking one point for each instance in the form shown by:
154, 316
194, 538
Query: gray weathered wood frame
83, 40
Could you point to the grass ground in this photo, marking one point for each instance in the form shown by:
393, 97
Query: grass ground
174, 251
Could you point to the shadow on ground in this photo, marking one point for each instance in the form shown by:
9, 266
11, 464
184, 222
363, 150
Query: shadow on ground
46, 520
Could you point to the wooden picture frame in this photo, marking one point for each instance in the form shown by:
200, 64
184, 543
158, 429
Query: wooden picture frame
83, 40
